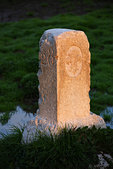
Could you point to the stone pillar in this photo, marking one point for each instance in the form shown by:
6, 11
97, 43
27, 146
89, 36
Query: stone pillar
64, 78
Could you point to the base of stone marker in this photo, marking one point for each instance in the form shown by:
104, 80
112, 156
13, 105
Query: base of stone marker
40, 124
89, 121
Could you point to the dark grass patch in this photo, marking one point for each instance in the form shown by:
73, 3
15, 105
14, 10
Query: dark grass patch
107, 117
70, 149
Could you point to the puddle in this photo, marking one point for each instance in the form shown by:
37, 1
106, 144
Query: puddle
108, 111
18, 118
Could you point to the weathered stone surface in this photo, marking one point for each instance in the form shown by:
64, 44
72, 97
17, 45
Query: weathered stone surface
47, 76
64, 78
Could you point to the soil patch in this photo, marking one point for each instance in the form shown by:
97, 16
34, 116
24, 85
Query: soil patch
14, 10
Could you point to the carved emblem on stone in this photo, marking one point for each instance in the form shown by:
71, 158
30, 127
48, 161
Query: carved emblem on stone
73, 63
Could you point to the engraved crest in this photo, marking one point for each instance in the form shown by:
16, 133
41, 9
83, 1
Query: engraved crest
73, 63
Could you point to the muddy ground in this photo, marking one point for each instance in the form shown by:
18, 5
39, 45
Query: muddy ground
14, 10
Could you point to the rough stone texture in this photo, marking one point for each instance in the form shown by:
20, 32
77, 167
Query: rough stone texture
39, 124
64, 78
47, 76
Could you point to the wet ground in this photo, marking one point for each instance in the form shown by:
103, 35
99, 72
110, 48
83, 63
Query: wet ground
20, 118
108, 111
14, 10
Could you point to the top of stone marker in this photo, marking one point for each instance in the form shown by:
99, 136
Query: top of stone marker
51, 33
57, 31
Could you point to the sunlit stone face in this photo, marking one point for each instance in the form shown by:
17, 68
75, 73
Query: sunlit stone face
73, 62
73, 76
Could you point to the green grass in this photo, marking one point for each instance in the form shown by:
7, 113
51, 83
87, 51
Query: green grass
4, 117
107, 117
44, 4
19, 47
30, 13
69, 149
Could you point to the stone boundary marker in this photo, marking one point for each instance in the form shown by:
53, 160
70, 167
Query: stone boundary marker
64, 78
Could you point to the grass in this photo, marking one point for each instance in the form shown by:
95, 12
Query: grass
107, 117
44, 4
4, 117
30, 13
19, 58
69, 149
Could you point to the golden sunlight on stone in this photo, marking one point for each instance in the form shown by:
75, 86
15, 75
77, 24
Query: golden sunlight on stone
64, 78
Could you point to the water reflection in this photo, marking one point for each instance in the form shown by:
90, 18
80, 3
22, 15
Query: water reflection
108, 111
18, 118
